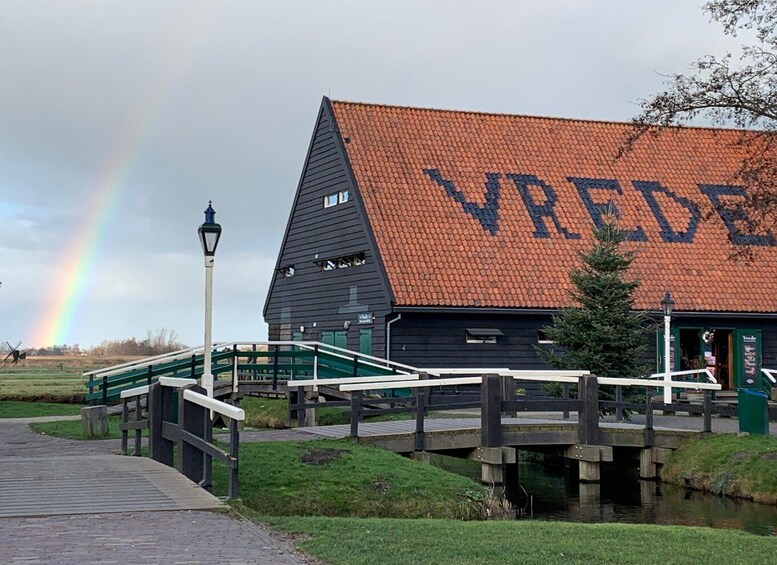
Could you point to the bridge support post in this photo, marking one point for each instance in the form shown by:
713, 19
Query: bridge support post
588, 453
649, 460
492, 471
491, 411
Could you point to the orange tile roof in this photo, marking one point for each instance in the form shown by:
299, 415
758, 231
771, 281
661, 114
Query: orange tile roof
459, 205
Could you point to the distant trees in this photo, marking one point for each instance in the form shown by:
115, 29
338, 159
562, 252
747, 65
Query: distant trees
156, 342
162, 340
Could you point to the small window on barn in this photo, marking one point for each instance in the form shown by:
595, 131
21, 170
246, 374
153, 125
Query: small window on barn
543, 338
482, 335
345, 262
329, 265
344, 197
330, 200
287, 271
359, 259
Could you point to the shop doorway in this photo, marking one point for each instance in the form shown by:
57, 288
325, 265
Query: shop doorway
708, 348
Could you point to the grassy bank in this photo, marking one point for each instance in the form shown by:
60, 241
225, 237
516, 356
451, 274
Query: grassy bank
385, 542
274, 413
727, 465
17, 409
338, 478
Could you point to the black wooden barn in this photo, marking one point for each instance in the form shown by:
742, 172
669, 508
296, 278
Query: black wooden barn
444, 238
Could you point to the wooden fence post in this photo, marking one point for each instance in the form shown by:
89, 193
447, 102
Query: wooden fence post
491, 411
618, 399
707, 411
420, 412
234, 450
124, 420
190, 419
356, 403
649, 433
588, 418
565, 396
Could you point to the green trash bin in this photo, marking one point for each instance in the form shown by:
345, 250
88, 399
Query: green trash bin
753, 411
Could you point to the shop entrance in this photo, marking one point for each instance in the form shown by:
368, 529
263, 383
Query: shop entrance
732, 356
708, 349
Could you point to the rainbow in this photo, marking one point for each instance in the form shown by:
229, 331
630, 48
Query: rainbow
59, 317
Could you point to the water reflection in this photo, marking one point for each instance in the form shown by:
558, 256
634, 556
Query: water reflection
553, 493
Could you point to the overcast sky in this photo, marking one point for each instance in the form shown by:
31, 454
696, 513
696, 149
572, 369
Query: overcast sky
119, 120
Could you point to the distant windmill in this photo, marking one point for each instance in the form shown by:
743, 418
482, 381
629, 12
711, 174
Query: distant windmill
15, 354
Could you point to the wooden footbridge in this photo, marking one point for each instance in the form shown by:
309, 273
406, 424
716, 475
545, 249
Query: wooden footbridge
315, 375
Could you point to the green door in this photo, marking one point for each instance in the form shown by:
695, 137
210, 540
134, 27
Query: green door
365, 341
747, 358
336, 338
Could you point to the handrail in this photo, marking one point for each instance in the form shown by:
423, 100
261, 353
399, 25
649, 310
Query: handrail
437, 371
706, 371
146, 361
769, 374
133, 392
222, 408
176, 382
352, 380
383, 385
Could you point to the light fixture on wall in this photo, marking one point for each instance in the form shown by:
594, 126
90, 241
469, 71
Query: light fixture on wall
302, 329
347, 324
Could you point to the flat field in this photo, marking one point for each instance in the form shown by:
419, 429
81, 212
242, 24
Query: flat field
50, 379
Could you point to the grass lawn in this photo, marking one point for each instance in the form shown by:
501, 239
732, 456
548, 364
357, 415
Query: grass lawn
273, 413
17, 409
387, 541
339, 478
725, 464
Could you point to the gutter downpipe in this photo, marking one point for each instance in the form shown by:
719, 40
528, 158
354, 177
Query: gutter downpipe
388, 336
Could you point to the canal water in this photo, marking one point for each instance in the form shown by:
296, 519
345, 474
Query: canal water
546, 492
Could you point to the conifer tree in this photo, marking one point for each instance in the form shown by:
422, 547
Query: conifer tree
604, 334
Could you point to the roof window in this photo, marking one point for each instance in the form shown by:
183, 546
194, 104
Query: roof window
482, 335
336, 198
342, 262
287, 271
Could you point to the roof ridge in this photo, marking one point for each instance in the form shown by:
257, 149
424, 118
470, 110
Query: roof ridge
533, 117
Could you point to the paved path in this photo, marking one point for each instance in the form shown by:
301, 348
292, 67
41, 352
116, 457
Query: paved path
142, 537
35, 473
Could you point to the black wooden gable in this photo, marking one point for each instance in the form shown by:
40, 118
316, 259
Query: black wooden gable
328, 270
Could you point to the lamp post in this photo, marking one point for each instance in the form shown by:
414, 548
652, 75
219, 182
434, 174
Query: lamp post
666, 305
209, 233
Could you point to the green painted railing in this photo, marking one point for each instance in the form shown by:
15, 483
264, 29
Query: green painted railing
242, 361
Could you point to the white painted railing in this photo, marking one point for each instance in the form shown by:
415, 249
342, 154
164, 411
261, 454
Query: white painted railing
706, 372
214, 405
770, 374
550, 378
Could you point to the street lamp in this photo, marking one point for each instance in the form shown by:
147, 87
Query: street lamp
666, 305
209, 233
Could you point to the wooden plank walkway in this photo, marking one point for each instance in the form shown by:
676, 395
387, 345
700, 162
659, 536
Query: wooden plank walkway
95, 484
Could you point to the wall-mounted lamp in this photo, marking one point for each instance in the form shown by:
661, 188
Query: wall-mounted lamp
302, 329
347, 324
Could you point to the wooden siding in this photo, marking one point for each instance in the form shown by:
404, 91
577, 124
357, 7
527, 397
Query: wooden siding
326, 298
438, 340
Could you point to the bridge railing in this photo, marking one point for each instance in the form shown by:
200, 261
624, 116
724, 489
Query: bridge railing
180, 419
241, 362
366, 399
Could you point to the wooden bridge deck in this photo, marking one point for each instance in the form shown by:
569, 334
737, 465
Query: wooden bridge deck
461, 433
95, 484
